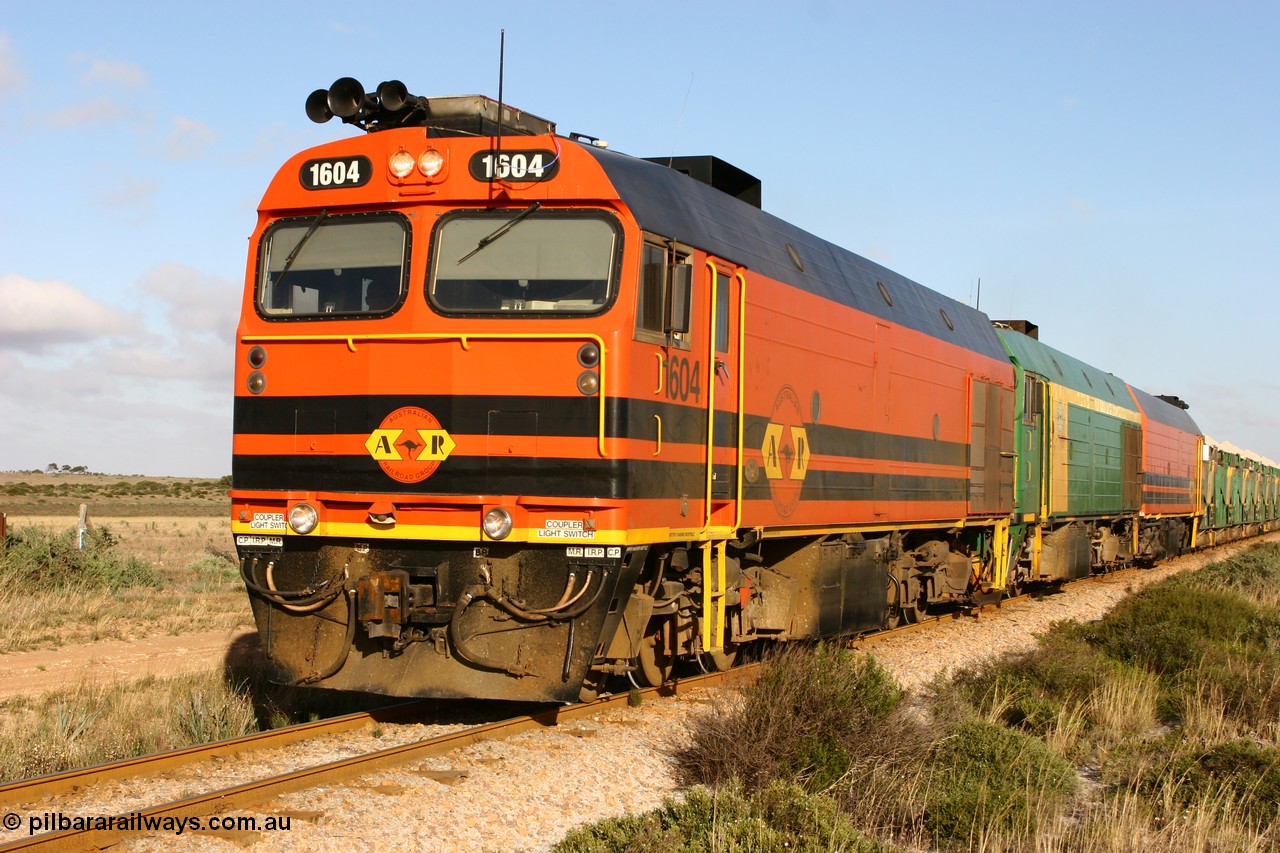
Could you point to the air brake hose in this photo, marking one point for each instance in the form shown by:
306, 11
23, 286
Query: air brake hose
469, 596
299, 598
347, 641
474, 593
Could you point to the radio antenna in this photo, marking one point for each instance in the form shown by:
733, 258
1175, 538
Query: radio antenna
502, 58
680, 121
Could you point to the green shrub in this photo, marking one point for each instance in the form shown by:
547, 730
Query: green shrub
211, 572
36, 558
1167, 627
985, 777
1201, 631
1036, 686
1247, 680
1254, 573
780, 817
812, 714
1239, 774
205, 716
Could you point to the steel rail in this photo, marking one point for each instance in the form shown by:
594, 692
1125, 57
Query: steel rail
252, 793
54, 784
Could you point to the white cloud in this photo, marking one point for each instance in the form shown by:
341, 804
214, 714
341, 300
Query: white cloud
113, 73
190, 139
127, 192
80, 414
1079, 206
877, 253
195, 303
103, 112
199, 362
11, 78
39, 314
117, 395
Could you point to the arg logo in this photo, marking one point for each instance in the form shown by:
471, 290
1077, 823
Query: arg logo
785, 452
409, 444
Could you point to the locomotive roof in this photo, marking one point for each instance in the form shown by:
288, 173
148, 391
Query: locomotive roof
674, 205
1057, 366
1164, 412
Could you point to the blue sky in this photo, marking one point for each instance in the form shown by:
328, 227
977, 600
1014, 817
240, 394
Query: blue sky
1108, 170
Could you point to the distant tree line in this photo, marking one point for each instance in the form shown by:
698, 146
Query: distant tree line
55, 468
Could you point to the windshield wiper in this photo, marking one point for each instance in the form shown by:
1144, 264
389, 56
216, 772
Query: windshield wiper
520, 217
288, 262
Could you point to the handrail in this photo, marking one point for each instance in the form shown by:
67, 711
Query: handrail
711, 393
711, 401
742, 390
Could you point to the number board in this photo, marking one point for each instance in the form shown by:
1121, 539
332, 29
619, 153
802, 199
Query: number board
528, 165
334, 173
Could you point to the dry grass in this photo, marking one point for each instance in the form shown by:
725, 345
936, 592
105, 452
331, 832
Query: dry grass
202, 590
91, 723
94, 722
161, 575
1124, 704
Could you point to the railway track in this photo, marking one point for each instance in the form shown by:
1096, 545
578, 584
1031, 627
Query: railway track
21, 795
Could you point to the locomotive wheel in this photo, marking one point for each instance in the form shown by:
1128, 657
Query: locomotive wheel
656, 663
900, 612
907, 615
591, 688
721, 660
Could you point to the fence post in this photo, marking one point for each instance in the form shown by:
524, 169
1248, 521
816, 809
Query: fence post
84, 522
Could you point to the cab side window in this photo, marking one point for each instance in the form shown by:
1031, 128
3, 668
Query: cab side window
663, 300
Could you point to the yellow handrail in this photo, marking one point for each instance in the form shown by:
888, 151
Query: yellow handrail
711, 400
713, 596
711, 393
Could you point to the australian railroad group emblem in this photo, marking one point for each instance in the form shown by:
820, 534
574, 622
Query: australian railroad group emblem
785, 452
409, 444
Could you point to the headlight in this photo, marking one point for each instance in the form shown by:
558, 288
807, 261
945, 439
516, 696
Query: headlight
401, 163
588, 382
430, 162
497, 523
589, 355
303, 518
257, 383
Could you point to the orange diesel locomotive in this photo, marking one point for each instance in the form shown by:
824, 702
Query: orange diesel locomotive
515, 413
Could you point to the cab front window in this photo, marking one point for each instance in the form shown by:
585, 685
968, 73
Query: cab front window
325, 267
524, 262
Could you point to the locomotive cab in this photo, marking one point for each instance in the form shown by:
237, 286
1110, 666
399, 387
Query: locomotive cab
432, 484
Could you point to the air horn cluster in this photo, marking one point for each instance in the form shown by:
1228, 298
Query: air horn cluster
390, 105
